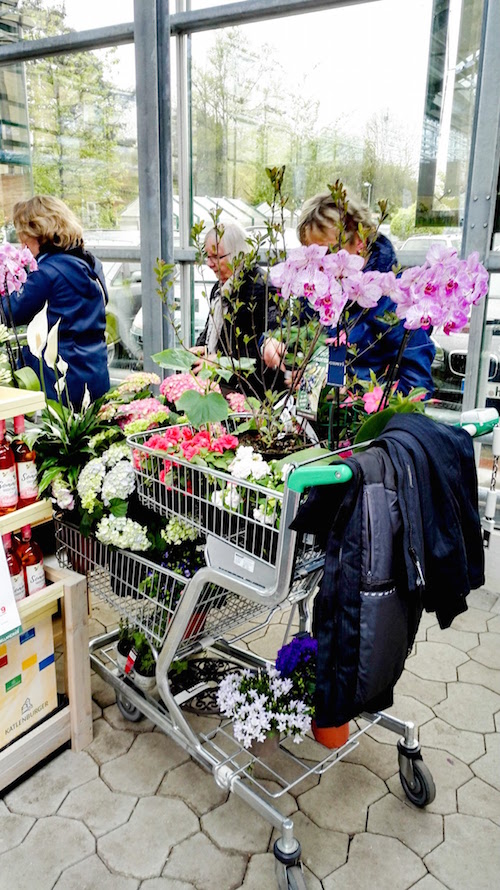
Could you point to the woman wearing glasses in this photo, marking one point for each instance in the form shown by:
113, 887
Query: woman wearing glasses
240, 309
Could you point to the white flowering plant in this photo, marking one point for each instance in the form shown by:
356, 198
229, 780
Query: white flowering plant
249, 466
262, 703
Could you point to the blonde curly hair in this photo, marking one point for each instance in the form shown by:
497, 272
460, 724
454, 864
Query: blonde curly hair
321, 213
49, 220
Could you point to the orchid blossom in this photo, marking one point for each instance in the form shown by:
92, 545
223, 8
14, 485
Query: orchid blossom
37, 332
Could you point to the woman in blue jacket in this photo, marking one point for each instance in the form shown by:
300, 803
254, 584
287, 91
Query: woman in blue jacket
71, 281
376, 343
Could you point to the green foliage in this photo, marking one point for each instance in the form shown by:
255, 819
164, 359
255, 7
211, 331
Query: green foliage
203, 409
403, 224
145, 662
178, 359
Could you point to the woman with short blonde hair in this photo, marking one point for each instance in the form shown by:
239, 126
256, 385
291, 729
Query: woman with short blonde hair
70, 280
321, 215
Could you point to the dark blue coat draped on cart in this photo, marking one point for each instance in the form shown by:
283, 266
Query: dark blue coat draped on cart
69, 283
383, 565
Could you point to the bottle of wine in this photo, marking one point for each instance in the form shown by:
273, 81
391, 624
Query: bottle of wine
25, 458
31, 558
15, 568
8, 476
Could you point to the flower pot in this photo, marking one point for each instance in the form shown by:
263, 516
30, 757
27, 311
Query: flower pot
267, 748
121, 658
143, 682
331, 736
195, 625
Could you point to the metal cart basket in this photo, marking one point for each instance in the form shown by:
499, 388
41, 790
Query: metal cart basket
254, 565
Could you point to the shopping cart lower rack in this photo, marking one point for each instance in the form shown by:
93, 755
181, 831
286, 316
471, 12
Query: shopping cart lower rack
250, 573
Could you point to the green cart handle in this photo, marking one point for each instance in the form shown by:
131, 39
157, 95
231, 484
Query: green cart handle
479, 429
307, 476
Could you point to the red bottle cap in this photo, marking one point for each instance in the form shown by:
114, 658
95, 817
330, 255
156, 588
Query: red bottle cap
7, 540
19, 426
26, 531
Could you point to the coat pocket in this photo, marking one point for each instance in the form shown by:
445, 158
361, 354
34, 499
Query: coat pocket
383, 640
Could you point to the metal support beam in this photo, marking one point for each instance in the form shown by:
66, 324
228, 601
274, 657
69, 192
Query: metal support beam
482, 182
250, 11
152, 53
71, 42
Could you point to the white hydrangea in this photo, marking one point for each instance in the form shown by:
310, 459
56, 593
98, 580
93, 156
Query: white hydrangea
249, 464
89, 483
119, 482
176, 531
116, 452
120, 531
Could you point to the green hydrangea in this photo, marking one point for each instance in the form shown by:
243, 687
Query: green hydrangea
89, 483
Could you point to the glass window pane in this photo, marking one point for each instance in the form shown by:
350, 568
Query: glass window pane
41, 18
68, 128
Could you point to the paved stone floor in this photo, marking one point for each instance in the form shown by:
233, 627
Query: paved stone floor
134, 811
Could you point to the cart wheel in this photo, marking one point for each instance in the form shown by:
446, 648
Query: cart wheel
128, 710
424, 790
295, 878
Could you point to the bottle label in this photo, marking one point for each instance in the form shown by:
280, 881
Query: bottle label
18, 587
35, 577
27, 479
8, 488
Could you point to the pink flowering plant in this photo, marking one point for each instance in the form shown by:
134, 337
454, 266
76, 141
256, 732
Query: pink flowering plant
15, 265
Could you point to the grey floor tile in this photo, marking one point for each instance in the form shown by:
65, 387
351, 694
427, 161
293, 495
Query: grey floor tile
322, 850
473, 672
52, 845
117, 721
429, 883
487, 767
231, 827
466, 746
429, 692
198, 861
469, 857
92, 874
486, 597
436, 661
469, 706
165, 884
341, 799
494, 624
99, 808
142, 768
13, 829
488, 651
417, 829
376, 863
477, 798
460, 639
102, 692
140, 848
194, 785
474, 620
43, 792
108, 742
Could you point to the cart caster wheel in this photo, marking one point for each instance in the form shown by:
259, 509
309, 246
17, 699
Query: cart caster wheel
128, 710
423, 790
290, 877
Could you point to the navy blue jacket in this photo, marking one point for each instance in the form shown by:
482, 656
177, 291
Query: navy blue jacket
67, 282
415, 367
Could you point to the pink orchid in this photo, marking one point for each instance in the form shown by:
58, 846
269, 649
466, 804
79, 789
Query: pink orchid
372, 399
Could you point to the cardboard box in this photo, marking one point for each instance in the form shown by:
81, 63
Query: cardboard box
28, 690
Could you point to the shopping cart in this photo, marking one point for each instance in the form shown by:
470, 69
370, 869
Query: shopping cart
255, 565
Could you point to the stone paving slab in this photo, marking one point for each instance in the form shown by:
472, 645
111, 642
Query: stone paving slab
467, 746
231, 828
477, 798
469, 707
92, 874
418, 830
488, 651
436, 661
473, 672
322, 850
487, 767
376, 863
198, 861
98, 807
195, 786
140, 848
469, 857
43, 793
142, 768
429, 692
52, 845
341, 799
13, 829
448, 774
108, 742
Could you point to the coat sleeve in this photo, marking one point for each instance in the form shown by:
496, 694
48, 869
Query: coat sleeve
32, 297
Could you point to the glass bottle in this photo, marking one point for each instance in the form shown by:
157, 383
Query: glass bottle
8, 476
25, 457
31, 558
15, 568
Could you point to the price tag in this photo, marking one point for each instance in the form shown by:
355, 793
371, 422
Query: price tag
336, 365
10, 622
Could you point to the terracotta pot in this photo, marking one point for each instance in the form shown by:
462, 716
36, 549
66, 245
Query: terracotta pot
331, 736
267, 748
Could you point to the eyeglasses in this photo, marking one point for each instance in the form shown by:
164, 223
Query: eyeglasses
214, 257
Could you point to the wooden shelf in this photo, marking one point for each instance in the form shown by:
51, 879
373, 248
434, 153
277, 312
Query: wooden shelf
34, 514
74, 722
19, 401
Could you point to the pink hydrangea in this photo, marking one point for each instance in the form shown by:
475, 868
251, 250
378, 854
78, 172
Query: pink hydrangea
237, 402
172, 387
140, 408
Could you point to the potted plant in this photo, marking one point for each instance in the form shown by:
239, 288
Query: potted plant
297, 662
262, 706
125, 642
145, 663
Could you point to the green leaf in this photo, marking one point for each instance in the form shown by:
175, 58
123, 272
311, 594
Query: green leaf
374, 426
48, 477
243, 363
174, 359
202, 409
27, 379
118, 507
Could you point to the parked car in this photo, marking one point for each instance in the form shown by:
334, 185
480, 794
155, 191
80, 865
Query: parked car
448, 368
124, 284
422, 243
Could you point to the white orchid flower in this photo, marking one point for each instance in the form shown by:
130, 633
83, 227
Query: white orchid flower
59, 385
51, 351
37, 332
62, 366
86, 399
